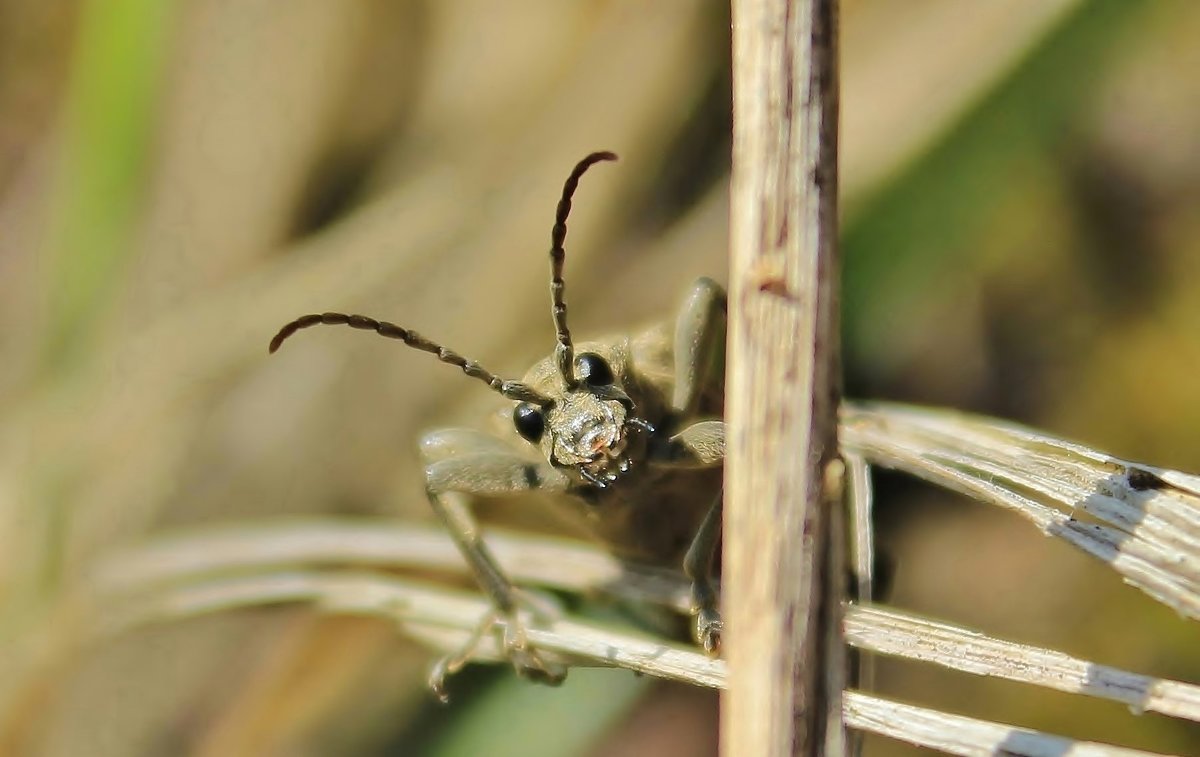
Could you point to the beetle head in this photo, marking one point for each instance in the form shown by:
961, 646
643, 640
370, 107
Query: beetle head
590, 428
587, 425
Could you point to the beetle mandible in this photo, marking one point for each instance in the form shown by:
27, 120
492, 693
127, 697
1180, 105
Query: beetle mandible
629, 429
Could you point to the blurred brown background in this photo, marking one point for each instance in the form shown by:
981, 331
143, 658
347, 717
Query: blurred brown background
1022, 237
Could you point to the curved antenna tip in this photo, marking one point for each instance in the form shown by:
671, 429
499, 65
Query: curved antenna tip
278, 339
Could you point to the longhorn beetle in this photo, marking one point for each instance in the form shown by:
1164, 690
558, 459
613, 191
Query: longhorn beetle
628, 429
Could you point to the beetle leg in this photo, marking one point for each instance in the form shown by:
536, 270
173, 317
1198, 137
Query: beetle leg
700, 445
452, 663
697, 566
515, 645
460, 463
699, 341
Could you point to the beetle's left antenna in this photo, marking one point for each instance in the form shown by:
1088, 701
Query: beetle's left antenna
564, 353
514, 390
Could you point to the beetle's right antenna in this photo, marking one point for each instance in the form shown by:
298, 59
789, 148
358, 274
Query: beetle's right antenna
564, 353
514, 390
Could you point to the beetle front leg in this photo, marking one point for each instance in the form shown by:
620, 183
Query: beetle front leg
699, 341
462, 462
697, 566
701, 445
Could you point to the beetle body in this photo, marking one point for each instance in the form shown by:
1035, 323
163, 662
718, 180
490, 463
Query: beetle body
627, 430
651, 513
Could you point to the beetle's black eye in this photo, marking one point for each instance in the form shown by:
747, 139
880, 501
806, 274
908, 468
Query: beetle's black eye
530, 421
594, 370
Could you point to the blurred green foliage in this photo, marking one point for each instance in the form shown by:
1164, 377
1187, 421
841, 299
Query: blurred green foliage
116, 82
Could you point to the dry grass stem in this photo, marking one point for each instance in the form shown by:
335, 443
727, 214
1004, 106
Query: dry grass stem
1142, 520
444, 618
249, 555
893, 633
955, 734
861, 496
783, 536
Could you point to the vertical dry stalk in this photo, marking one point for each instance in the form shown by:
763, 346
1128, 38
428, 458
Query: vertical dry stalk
782, 537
